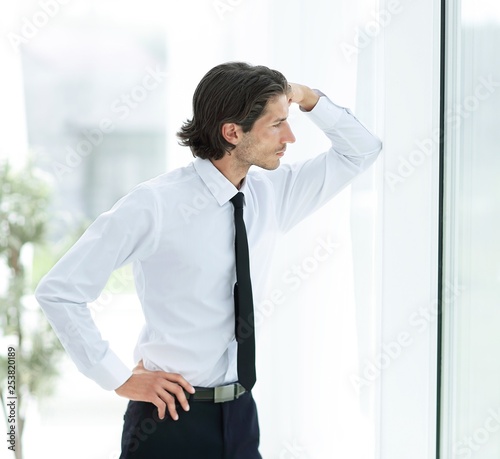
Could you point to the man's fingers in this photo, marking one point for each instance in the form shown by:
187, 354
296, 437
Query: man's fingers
175, 384
178, 393
161, 405
169, 392
164, 402
158, 387
177, 378
296, 93
169, 403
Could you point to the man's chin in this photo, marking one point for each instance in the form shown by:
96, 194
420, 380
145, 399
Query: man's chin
269, 166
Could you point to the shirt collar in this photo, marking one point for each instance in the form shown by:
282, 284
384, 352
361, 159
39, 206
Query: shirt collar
220, 187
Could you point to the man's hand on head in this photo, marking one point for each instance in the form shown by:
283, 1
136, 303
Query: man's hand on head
303, 95
157, 387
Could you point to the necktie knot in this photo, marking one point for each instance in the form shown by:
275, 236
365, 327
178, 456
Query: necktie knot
237, 200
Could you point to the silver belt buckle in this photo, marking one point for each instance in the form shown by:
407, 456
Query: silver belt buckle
228, 393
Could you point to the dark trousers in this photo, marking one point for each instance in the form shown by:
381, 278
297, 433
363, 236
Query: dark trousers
208, 430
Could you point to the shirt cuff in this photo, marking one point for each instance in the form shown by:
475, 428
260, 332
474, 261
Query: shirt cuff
110, 373
325, 114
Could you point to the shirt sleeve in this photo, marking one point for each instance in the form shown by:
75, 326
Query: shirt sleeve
117, 237
302, 188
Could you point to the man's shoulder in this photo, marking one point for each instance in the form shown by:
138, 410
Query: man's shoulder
171, 179
169, 186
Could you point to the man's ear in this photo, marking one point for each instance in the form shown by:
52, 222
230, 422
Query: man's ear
232, 133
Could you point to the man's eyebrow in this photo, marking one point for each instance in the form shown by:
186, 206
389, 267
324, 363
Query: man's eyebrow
279, 120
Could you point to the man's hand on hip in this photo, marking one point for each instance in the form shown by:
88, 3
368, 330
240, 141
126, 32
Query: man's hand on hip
157, 387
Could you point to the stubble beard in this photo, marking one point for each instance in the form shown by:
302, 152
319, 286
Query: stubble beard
248, 157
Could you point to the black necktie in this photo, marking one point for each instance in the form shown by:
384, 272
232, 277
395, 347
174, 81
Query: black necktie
243, 301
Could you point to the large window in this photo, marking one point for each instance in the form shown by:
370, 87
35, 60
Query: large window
470, 393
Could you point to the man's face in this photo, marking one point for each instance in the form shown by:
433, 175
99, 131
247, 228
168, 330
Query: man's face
265, 143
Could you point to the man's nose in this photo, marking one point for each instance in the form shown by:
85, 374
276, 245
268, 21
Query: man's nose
288, 136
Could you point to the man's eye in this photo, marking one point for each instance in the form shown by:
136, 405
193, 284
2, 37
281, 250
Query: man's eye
277, 125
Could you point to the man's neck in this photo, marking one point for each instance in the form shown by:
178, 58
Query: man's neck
234, 172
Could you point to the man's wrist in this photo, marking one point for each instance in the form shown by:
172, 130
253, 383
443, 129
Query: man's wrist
309, 100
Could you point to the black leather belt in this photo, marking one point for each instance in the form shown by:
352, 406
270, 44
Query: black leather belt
219, 394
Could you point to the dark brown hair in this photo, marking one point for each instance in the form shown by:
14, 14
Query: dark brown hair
234, 92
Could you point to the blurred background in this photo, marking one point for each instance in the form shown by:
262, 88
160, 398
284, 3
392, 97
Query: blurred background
92, 95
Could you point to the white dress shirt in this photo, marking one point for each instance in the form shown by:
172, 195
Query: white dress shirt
178, 230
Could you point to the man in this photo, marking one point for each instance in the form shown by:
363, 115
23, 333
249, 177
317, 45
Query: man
190, 394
